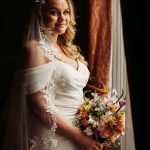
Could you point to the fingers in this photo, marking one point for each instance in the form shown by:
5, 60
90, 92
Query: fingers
99, 145
93, 146
96, 146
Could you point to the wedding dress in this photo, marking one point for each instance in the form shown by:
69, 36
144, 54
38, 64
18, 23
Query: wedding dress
62, 88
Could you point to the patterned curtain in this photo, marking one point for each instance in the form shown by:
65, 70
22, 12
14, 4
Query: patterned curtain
99, 42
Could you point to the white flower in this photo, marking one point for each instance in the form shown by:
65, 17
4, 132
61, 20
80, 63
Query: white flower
91, 120
94, 125
96, 96
88, 131
114, 92
97, 109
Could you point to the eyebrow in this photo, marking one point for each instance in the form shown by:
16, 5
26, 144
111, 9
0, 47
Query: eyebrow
57, 8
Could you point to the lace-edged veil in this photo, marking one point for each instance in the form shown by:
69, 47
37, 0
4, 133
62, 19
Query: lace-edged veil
34, 23
16, 128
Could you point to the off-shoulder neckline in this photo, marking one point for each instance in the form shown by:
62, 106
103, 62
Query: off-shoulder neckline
50, 63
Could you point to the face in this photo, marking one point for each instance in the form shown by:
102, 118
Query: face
56, 16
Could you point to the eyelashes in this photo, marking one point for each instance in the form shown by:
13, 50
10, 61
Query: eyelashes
66, 12
53, 13
57, 13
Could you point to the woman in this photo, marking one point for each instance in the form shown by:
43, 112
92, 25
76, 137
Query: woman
49, 84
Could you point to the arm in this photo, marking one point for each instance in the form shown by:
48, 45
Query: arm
64, 128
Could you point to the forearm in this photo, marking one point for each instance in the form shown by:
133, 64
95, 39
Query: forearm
68, 130
42, 112
64, 128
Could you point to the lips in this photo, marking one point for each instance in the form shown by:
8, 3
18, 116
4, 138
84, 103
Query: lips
60, 24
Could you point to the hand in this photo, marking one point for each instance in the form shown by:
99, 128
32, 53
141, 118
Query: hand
92, 146
87, 143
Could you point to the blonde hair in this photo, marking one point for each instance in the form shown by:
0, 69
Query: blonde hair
66, 40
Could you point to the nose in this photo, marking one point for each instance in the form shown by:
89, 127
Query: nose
61, 17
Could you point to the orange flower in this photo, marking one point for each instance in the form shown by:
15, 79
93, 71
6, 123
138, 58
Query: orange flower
114, 137
83, 115
113, 108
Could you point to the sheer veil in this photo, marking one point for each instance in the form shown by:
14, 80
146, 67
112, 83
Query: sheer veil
16, 129
32, 110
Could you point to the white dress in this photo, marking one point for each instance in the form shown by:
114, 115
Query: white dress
62, 88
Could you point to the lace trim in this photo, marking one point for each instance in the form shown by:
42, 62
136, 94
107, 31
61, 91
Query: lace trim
46, 140
51, 52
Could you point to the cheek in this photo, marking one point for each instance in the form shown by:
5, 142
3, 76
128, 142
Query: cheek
50, 20
68, 19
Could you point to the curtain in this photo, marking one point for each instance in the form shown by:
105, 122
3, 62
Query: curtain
99, 42
119, 79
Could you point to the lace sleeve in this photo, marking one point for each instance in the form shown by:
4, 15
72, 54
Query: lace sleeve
48, 93
41, 84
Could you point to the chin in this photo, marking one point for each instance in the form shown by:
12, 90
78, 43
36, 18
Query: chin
61, 31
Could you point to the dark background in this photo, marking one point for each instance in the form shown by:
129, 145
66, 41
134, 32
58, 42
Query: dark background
136, 26
13, 18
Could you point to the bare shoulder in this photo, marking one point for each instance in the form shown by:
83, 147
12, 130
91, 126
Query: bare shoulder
31, 45
31, 55
32, 49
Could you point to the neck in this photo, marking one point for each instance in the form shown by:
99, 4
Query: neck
54, 38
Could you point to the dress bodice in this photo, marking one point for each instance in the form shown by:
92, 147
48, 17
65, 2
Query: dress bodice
69, 88
71, 81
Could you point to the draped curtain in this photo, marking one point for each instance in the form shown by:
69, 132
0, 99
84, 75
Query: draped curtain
119, 78
99, 42
107, 61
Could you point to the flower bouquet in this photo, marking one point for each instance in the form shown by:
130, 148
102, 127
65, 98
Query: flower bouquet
102, 117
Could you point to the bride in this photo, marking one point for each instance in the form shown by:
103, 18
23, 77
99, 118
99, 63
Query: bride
48, 84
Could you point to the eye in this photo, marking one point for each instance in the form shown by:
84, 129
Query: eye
53, 13
66, 12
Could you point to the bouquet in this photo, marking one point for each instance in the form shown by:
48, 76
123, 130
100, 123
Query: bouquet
102, 116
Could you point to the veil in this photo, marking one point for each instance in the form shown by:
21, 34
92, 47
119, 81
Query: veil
16, 128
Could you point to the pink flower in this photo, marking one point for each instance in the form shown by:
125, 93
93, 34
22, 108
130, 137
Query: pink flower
122, 102
88, 131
